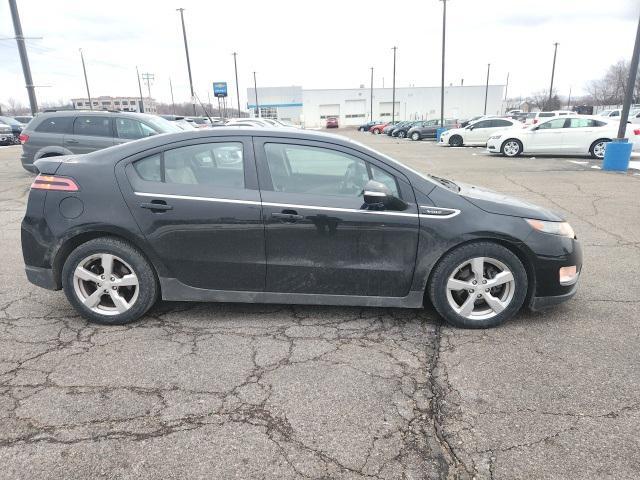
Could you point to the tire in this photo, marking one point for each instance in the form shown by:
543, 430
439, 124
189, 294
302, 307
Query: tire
361, 129
512, 147
415, 136
456, 141
376, 131
402, 134
597, 148
133, 300
507, 298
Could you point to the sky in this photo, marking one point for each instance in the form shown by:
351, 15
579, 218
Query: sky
314, 44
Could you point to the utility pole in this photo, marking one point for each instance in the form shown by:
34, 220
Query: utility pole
628, 96
173, 104
371, 114
148, 77
569, 100
444, 31
140, 90
186, 51
235, 66
86, 81
486, 88
255, 90
393, 95
24, 59
553, 69
506, 87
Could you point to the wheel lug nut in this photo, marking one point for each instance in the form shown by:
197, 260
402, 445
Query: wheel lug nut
471, 290
484, 281
487, 290
115, 288
113, 279
474, 282
479, 295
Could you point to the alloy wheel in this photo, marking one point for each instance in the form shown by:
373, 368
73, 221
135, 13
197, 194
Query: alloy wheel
106, 284
415, 136
511, 148
598, 149
480, 288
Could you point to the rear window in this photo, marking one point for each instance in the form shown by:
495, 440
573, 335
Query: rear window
547, 114
94, 126
55, 125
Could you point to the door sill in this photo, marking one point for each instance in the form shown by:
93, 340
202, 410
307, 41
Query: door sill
174, 290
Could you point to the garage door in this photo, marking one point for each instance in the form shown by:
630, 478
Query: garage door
385, 110
332, 110
355, 112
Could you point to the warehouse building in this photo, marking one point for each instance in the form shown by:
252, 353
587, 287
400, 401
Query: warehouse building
125, 104
352, 106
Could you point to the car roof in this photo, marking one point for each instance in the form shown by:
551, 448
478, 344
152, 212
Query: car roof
102, 113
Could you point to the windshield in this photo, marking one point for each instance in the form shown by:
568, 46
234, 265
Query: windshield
10, 121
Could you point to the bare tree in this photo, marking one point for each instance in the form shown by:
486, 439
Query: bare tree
14, 106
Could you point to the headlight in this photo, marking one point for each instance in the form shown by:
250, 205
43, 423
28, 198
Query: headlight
556, 228
495, 137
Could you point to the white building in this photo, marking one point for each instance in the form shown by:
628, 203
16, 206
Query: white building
125, 104
352, 106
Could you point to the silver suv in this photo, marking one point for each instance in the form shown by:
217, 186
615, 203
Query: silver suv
77, 131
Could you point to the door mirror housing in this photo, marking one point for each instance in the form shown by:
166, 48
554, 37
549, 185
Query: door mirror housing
377, 196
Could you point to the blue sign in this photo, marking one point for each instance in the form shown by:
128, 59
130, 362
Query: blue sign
220, 89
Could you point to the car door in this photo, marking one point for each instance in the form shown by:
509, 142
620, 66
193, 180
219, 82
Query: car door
127, 129
90, 133
477, 132
579, 133
198, 205
548, 137
320, 238
496, 125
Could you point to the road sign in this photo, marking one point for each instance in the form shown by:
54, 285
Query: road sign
220, 89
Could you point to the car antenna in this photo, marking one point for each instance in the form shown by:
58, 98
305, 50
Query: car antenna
203, 109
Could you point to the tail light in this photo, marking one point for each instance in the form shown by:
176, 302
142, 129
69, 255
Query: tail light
54, 182
535, 120
23, 138
636, 131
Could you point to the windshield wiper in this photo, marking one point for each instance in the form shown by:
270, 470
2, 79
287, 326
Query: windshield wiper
447, 183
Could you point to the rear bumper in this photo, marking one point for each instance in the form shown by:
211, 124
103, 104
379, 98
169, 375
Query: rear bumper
42, 277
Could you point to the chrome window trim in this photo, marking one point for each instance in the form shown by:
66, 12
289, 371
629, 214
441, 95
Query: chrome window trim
291, 205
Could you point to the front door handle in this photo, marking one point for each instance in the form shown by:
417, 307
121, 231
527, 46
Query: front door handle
71, 140
290, 216
157, 206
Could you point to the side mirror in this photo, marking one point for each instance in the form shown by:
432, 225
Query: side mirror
377, 196
469, 127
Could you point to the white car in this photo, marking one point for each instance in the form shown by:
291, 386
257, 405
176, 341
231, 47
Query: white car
541, 116
477, 133
258, 122
567, 135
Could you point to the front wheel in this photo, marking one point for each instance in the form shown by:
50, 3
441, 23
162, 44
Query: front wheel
456, 141
401, 134
415, 136
108, 281
361, 129
511, 147
597, 148
478, 285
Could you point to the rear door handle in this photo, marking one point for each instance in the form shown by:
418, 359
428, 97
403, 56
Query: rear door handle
71, 140
157, 206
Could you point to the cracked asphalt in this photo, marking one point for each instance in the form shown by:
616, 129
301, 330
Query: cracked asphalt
277, 392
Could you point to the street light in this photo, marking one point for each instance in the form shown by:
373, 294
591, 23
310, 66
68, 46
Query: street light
486, 88
255, 90
186, 51
86, 82
393, 95
371, 114
444, 31
553, 69
235, 66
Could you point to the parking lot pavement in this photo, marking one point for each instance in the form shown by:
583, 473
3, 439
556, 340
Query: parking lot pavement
269, 391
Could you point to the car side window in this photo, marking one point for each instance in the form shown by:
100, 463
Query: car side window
132, 129
583, 123
95, 126
216, 164
552, 124
502, 123
55, 125
320, 171
483, 124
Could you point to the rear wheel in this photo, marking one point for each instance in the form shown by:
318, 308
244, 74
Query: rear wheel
597, 148
402, 134
478, 285
456, 141
415, 136
376, 131
511, 147
109, 281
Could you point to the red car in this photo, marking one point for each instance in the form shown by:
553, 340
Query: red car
377, 129
332, 122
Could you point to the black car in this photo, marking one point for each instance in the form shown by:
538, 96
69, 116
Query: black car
366, 126
401, 130
285, 216
393, 127
429, 128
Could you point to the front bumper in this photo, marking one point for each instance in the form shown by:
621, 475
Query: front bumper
42, 277
539, 303
493, 146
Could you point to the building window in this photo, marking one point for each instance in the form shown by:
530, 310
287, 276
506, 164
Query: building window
80, 104
124, 102
95, 104
386, 114
268, 112
106, 103
330, 116
354, 115
116, 102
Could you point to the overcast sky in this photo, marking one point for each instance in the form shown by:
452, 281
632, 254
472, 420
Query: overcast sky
315, 44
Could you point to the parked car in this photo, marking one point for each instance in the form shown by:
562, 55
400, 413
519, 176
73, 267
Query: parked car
401, 130
6, 135
266, 227
617, 113
365, 127
570, 135
24, 119
477, 133
393, 127
16, 126
378, 129
202, 122
634, 117
180, 121
540, 116
258, 122
332, 122
429, 128
74, 131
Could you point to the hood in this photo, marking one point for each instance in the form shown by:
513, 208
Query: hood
494, 202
